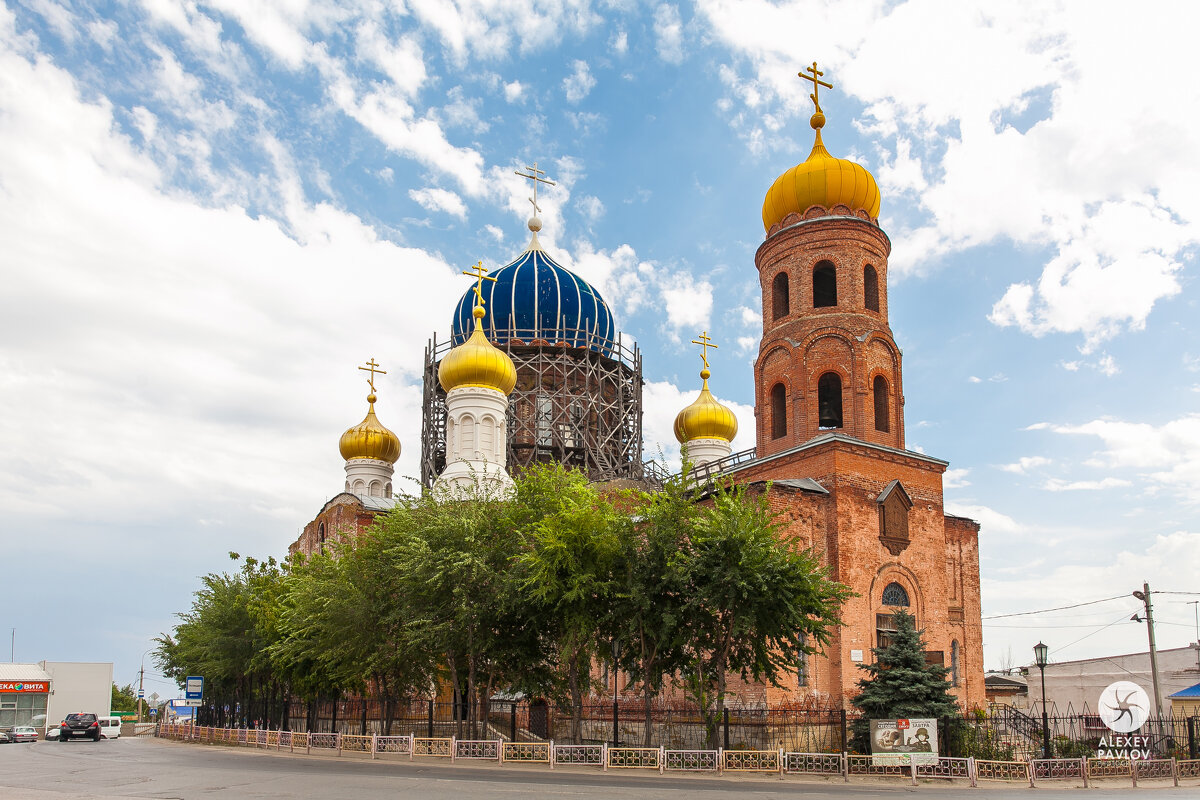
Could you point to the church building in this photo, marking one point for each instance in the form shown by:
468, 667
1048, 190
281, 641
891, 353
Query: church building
829, 422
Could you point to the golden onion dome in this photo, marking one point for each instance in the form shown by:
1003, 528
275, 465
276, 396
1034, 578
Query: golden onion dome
705, 418
476, 362
821, 180
370, 439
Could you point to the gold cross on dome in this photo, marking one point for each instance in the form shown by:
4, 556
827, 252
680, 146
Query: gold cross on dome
817, 83
533, 175
479, 273
374, 369
704, 343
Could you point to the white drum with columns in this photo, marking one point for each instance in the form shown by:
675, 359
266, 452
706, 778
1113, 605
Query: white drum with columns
476, 438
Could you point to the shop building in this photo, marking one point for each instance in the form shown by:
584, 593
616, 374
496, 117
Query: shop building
44, 693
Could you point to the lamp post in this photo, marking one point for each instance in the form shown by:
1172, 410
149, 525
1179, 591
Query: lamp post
1040, 654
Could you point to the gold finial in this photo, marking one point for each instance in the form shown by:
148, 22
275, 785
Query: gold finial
479, 272
818, 118
704, 343
374, 369
533, 175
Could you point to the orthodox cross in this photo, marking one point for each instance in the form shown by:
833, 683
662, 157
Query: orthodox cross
704, 343
374, 369
534, 175
479, 273
817, 83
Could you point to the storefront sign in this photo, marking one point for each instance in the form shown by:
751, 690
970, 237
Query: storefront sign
24, 687
904, 741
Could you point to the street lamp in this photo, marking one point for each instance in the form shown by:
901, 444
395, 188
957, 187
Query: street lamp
1040, 654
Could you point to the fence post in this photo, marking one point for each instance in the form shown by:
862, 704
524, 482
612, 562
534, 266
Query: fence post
338, 741
1133, 765
430, 733
972, 772
726, 738
374, 744
781, 763
1175, 770
453, 747
551, 756
720, 760
1191, 725
845, 763
616, 724
662, 759
500, 744
604, 757
845, 738
1083, 768
308, 743
512, 721
912, 768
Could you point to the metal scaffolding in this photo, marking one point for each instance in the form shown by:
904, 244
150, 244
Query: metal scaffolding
579, 406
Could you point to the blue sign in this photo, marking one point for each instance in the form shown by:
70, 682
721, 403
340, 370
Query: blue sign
193, 687
141, 694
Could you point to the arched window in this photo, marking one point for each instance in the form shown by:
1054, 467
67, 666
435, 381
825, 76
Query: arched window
879, 388
954, 663
781, 302
321, 538
829, 401
778, 411
870, 288
894, 595
824, 285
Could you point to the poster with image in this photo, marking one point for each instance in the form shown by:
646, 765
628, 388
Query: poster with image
903, 741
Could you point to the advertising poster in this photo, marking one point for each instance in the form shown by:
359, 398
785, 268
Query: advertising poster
904, 741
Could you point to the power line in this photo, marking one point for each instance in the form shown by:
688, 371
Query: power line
1059, 608
1122, 618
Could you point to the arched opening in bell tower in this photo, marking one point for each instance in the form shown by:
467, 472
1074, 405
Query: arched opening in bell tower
870, 288
824, 285
778, 411
829, 401
879, 390
781, 304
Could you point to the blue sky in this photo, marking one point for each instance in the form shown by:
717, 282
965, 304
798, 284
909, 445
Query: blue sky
212, 212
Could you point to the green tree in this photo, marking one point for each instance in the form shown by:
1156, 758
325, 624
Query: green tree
571, 558
900, 684
124, 699
755, 601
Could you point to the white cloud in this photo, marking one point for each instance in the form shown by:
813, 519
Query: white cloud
974, 379
577, 85
386, 174
495, 232
689, 302
991, 522
463, 111
433, 199
1167, 455
750, 317
400, 59
668, 32
57, 16
619, 43
1058, 485
591, 207
956, 478
514, 92
1024, 464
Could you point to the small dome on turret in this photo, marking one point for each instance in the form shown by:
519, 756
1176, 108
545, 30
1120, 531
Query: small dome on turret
476, 362
370, 439
705, 418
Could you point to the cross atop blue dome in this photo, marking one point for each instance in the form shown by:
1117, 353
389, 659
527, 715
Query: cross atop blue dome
535, 297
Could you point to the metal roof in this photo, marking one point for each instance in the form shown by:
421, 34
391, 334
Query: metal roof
1188, 693
11, 673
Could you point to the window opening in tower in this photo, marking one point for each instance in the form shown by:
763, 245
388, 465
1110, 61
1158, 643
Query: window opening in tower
829, 401
879, 388
778, 411
824, 285
870, 288
781, 301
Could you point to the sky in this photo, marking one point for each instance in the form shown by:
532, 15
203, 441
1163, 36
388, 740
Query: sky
212, 212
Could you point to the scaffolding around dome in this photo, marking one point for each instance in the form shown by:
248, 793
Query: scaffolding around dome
577, 401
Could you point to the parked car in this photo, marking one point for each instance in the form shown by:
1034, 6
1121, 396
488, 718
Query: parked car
110, 727
79, 726
24, 733
51, 732
6, 736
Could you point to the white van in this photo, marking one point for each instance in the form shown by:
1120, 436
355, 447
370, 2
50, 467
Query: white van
110, 727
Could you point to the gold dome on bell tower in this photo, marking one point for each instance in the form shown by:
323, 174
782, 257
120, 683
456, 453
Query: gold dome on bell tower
821, 180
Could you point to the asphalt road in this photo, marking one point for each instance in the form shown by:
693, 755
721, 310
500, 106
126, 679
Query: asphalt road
149, 767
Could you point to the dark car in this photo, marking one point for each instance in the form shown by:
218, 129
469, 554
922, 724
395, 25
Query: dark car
79, 726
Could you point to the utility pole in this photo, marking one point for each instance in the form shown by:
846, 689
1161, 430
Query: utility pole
142, 678
1144, 596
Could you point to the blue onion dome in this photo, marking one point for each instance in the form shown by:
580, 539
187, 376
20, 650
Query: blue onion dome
536, 298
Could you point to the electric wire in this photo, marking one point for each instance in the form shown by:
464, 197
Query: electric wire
1059, 608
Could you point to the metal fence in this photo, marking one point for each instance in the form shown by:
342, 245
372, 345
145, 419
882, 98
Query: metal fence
781, 762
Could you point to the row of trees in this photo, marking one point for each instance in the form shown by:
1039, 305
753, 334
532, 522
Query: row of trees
522, 594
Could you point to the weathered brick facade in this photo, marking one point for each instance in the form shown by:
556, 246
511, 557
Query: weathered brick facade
875, 513
343, 518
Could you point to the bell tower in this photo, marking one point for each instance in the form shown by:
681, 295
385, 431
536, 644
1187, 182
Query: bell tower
827, 362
